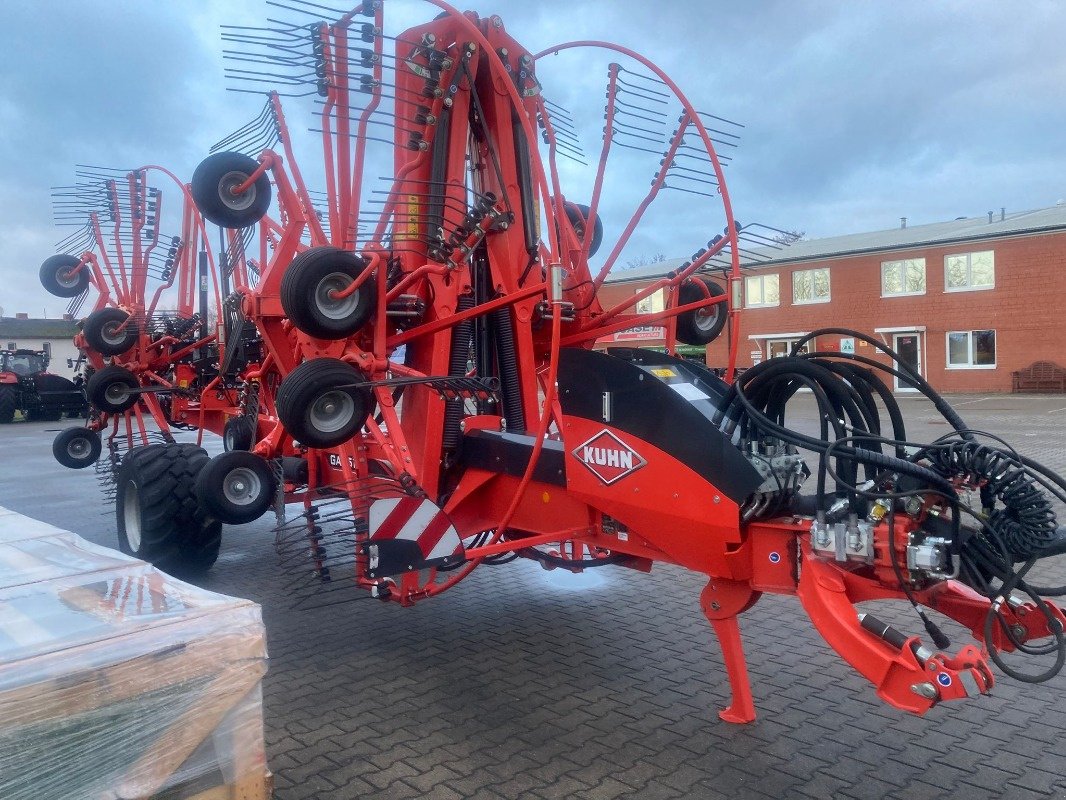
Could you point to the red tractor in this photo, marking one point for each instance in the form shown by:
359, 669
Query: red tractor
441, 405
26, 385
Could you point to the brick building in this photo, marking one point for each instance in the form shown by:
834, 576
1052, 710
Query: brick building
967, 301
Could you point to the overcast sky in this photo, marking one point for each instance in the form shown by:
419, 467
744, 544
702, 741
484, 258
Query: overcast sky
856, 113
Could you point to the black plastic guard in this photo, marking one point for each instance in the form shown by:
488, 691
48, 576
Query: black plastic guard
665, 401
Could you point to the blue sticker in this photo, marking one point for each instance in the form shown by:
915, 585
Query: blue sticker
943, 679
775, 557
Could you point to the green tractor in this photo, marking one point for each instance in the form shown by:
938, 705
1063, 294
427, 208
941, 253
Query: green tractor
27, 386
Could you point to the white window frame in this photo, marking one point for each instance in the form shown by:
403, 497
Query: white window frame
829, 282
903, 265
969, 287
969, 349
762, 278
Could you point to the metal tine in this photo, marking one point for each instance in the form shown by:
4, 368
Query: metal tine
689, 191
558, 108
622, 107
721, 119
372, 121
306, 62
710, 175
723, 142
647, 78
570, 152
356, 136
261, 92
618, 132
651, 115
307, 8
269, 77
658, 134
629, 92
700, 156
638, 149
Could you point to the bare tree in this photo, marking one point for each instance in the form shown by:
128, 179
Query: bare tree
643, 261
788, 237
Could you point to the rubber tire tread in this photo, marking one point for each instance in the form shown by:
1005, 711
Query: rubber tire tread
8, 403
204, 187
242, 430
59, 447
177, 536
687, 330
300, 281
98, 382
208, 487
93, 328
309, 380
51, 284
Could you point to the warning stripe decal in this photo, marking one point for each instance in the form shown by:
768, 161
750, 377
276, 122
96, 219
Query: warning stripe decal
418, 520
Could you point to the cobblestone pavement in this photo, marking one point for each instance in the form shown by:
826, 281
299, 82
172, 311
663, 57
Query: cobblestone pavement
534, 684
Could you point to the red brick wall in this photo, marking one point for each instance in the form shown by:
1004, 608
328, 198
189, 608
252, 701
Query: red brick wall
1027, 308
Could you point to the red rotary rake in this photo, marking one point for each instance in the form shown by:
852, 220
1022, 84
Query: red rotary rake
499, 433
159, 354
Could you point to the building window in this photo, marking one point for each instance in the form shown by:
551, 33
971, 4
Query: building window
775, 348
903, 277
971, 349
810, 286
652, 304
762, 290
968, 271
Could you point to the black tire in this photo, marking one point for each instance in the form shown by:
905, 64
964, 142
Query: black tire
101, 329
316, 410
112, 389
236, 487
9, 396
578, 214
703, 325
239, 434
212, 185
305, 289
56, 280
158, 516
77, 448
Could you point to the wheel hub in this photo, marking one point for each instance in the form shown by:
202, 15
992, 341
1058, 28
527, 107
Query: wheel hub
117, 393
241, 486
227, 186
332, 411
707, 317
67, 278
112, 334
331, 306
79, 448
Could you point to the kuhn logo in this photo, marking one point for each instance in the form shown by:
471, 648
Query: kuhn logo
608, 457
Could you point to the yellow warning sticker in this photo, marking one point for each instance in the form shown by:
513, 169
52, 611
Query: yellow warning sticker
412, 216
663, 372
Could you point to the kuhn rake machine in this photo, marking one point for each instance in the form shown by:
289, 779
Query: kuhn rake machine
500, 433
155, 359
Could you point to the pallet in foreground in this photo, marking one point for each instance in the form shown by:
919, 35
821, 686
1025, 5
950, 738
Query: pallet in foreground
118, 681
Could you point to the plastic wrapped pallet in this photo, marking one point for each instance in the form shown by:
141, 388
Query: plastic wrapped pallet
118, 681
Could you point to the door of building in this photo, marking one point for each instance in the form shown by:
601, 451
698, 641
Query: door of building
909, 349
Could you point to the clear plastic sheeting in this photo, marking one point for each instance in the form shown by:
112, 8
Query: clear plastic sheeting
119, 681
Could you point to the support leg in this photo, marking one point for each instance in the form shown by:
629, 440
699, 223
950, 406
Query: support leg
742, 709
721, 601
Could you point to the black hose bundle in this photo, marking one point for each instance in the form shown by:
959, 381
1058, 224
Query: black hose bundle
1016, 522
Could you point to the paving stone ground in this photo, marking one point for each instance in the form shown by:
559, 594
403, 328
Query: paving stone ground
524, 683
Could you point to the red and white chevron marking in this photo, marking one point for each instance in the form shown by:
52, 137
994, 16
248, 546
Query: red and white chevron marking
415, 519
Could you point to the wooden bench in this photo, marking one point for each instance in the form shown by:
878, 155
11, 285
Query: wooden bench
1040, 376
